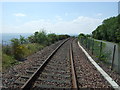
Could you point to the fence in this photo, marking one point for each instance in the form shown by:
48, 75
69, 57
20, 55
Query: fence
106, 52
119, 58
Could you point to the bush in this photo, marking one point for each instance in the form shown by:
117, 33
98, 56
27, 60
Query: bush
17, 49
7, 50
8, 61
52, 38
31, 48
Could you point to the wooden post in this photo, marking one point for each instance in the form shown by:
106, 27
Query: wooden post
113, 57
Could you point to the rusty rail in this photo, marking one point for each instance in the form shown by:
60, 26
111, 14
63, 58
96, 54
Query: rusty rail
74, 79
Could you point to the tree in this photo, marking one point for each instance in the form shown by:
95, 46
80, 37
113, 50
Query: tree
109, 30
52, 38
31, 39
22, 40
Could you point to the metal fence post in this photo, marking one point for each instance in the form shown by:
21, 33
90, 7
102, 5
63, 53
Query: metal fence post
86, 42
113, 57
100, 50
92, 46
82, 41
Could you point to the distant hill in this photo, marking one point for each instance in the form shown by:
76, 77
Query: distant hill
109, 30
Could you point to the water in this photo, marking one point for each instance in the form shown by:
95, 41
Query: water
6, 37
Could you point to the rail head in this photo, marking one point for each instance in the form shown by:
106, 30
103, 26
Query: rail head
74, 78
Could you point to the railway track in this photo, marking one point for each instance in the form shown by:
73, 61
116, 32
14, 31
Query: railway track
43, 74
66, 68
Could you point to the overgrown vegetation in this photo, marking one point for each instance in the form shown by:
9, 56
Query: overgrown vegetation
8, 61
46, 39
109, 30
19, 49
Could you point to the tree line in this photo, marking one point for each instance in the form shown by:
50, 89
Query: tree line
46, 39
109, 30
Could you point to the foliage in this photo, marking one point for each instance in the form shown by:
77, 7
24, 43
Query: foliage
40, 37
81, 35
17, 49
92, 45
8, 61
23, 40
23, 47
52, 38
31, 48
7, 49
46, 39
109, 30
31, 39
61, 37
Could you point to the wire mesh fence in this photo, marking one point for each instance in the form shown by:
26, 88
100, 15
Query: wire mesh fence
119, 57
106, 52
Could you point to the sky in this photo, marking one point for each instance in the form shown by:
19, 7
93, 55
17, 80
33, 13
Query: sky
55, 17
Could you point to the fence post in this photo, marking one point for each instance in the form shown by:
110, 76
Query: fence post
100, 50
113, 57
82, 41
86, 43
92, 46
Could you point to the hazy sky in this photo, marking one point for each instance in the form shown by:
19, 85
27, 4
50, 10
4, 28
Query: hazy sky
57, 17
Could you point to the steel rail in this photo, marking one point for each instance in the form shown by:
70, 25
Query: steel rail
32, 79
74, 78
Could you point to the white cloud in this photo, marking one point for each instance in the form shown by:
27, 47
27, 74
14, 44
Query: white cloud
76, 26
99, 14
59, 18
19, 14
